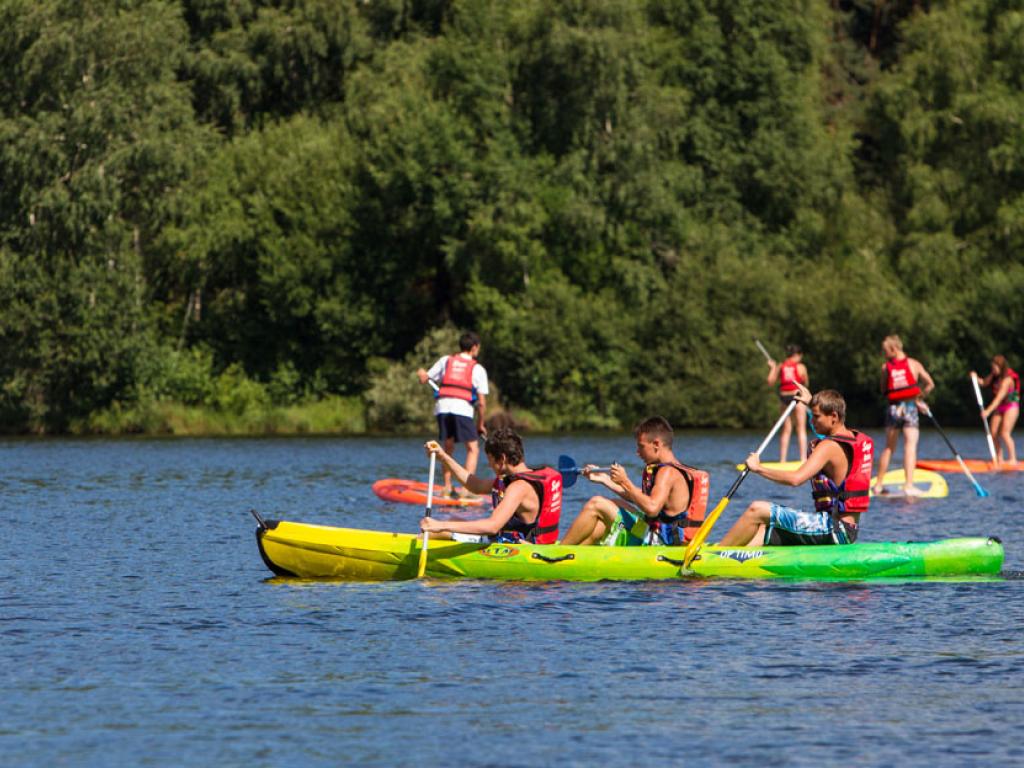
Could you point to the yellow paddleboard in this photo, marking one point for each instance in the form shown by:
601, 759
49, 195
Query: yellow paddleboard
932, 484
785, 466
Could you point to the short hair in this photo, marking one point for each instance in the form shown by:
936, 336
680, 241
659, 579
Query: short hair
1001, 363
793, 349
504, 441
655, 427
830, 402
468, 340
894, 341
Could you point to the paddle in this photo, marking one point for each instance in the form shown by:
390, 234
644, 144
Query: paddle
988, 429
709, 522
569, 471
977, 486
763, 351
430, 500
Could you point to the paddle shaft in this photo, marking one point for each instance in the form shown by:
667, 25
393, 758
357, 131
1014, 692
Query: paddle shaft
763, 350
977, 486
708, 524
981, 407
426, 513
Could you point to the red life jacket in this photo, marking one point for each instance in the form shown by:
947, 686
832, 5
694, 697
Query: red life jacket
547, 482
457, 380
853, 494
1013, 396
689, 520
789, 377
900, 384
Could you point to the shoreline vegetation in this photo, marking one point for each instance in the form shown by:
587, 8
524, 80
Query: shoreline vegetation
261, 217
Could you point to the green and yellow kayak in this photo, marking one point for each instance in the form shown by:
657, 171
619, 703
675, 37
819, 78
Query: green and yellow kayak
322, 552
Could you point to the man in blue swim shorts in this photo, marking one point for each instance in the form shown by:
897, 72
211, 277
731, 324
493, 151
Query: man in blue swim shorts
839, 470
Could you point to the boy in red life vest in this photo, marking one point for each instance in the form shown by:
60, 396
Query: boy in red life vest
839, 468
460, 384
666, 509
527, 502
789, 373
905, 383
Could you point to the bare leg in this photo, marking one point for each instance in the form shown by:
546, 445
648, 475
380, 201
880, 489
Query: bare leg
1006, 433
449, 446
910, 437
891, 435
593, 522
994, 427
800, 416
787, 430
751, 522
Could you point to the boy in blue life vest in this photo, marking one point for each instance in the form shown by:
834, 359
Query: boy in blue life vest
666, 508
527, 502
460, 384
839, 470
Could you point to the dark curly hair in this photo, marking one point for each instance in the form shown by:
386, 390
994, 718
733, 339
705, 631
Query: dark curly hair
505, 442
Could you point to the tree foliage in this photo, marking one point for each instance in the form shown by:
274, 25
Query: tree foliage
241, 204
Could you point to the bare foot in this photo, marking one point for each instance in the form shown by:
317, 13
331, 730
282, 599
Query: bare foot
912, 490
878, 490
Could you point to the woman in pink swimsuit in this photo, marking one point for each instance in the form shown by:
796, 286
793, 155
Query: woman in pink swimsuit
1005, 406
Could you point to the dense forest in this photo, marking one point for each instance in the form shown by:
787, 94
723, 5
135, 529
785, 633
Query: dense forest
267, 213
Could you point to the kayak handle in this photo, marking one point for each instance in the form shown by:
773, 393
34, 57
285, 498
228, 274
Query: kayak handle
546, 559
663, 559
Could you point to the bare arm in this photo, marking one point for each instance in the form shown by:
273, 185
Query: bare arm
773, 372
481, 414
883, 385
815, 463
653, 504
922, 377
1004, 389
804, 378
472, 482
516, 494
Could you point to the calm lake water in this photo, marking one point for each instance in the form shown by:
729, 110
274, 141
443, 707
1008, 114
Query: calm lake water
139, 626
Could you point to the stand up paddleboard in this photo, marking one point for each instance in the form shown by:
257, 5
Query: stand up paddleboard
932, 485
975, 465
415, 492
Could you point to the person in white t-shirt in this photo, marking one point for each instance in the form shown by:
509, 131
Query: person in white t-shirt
460, 385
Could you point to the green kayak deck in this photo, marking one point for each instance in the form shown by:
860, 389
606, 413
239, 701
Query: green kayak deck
322, 552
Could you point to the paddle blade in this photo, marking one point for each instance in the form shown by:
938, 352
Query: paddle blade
702, 532
422, 567
982, 493
568, 469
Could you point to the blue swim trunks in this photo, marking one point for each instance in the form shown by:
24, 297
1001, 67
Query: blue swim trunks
790, 527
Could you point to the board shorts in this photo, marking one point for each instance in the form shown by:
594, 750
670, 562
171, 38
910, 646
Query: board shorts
903, 414
788, 397
630, 529
461, 428
790, 527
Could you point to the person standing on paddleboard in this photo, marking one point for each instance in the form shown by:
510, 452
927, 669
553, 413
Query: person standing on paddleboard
1005, 406
666, 509
461, 390
788, 374
905, 383
527, 502
839, 470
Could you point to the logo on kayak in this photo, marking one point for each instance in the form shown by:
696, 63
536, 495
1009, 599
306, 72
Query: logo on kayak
740, 555
500, 552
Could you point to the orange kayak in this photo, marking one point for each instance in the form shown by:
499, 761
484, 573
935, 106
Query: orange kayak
415, 492
975, 465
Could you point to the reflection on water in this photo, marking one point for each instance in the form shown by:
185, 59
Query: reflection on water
139, 626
